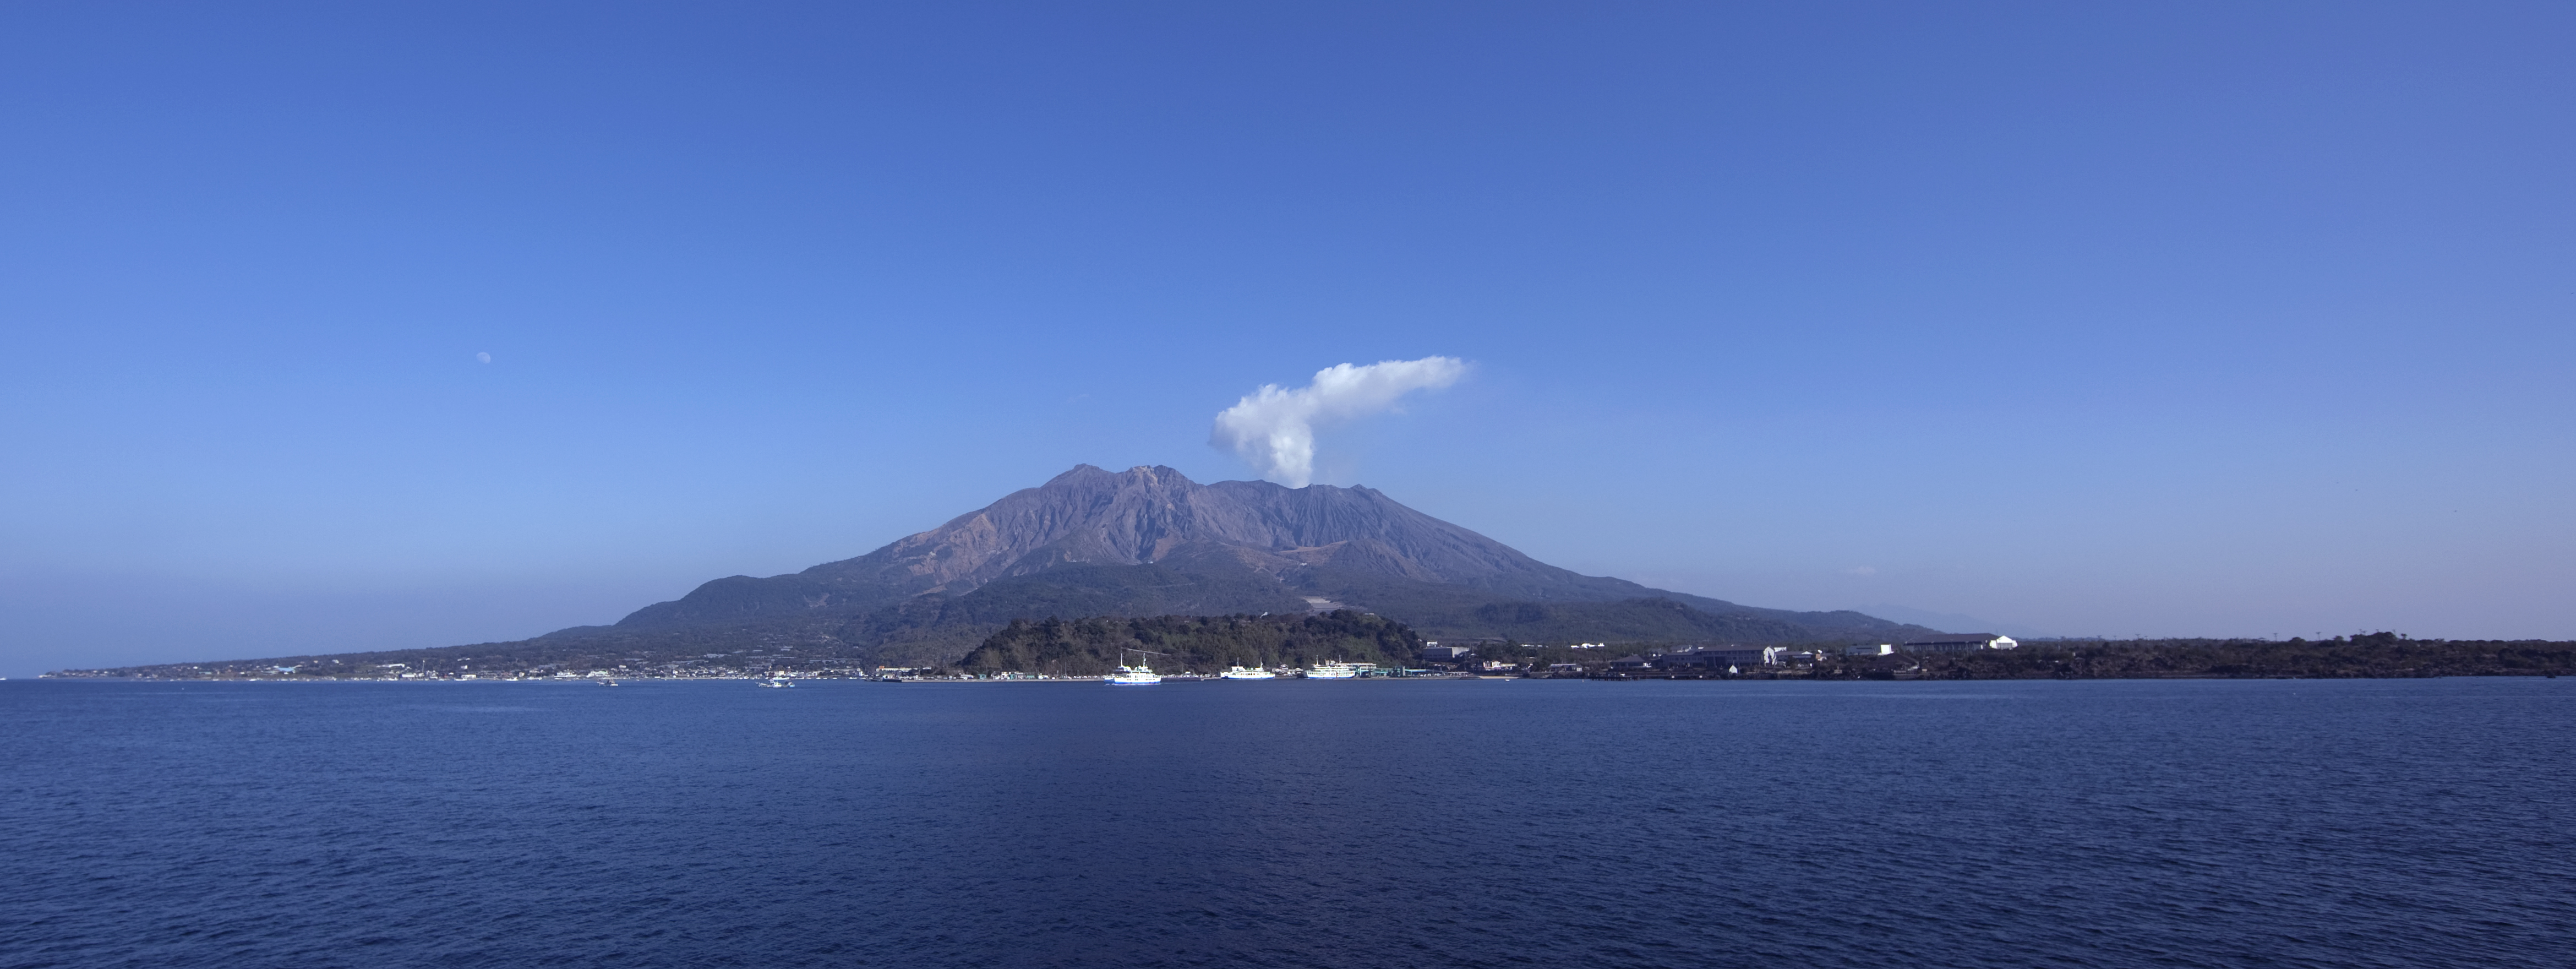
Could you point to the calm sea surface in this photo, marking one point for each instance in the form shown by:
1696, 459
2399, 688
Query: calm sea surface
2203, 823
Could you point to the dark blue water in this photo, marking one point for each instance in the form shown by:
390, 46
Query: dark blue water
2355, 823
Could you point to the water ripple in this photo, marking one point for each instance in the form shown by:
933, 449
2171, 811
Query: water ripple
2305, 824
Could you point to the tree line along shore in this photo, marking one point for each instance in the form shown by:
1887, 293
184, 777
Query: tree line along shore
1093, 646
2368, 656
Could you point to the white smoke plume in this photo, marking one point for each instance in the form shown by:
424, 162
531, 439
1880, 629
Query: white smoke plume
1274, 428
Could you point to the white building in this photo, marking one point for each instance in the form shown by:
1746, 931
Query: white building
1882, 649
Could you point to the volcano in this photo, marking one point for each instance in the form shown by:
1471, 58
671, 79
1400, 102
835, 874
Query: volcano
1149, 541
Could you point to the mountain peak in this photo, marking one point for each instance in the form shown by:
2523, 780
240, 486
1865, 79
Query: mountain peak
1146, 474
1148, 514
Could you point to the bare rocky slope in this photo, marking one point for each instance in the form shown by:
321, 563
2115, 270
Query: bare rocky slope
1149, 541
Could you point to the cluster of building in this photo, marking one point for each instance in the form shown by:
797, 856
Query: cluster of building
1710, 658
1716, 659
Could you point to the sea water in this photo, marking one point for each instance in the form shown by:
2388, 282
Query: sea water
1363, 824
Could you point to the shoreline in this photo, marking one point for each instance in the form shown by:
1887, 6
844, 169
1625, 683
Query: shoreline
1446, 678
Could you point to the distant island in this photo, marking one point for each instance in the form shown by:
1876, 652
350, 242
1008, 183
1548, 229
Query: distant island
1049, 580
1092, 646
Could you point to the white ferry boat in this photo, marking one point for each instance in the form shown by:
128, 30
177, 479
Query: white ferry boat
1335, 670
779, 683
1137, 675
1239, 673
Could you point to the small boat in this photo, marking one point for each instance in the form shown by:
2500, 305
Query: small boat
1239, 673
778, 683
1335, 670
608, 682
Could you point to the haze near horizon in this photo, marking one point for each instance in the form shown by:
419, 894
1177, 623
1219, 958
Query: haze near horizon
345, 328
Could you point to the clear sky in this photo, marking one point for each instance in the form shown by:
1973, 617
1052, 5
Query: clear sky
2161, 318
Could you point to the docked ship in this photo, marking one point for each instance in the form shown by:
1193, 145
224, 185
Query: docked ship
1334, 670
1137, 675
1141, 674
1239, 673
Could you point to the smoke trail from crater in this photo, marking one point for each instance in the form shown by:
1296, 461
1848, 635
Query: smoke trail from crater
1274, 428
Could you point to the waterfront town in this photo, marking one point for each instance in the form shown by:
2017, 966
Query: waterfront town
1479, 659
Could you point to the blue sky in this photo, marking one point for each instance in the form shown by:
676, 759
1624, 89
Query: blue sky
2174, 319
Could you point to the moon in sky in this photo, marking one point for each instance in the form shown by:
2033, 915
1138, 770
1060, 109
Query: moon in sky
483, 357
